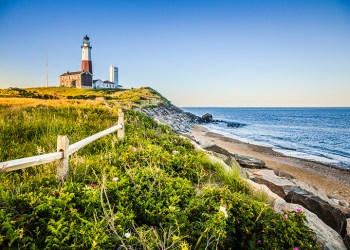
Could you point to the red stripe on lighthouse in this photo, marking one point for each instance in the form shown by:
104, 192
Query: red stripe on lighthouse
86, 66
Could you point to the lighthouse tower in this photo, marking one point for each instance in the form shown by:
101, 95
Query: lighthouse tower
86, 64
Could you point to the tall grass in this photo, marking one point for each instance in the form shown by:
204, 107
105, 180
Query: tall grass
150, 190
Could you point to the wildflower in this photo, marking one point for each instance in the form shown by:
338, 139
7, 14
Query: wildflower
127, 235
134, 149
223, 209
259, 242
285, 216
203, 170
115, 179
175, 152
298, 210
53, 192
295, 248
92, 185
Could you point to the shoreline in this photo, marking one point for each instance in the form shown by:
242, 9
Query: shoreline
330, 179
279, 150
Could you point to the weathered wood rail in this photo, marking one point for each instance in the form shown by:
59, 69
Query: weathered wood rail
64, 150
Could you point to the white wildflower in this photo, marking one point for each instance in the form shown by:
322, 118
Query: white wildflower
223, 209
127, 235
115, 179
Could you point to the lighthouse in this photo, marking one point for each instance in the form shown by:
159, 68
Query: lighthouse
86, 64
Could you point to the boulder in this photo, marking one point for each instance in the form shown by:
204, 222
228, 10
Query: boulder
327, 238
235, 124
331, 215
347, 240
249, 162
315, 191
207, 118
345, 210
215, 148
347, 236
275, 183
344, 203
283, 174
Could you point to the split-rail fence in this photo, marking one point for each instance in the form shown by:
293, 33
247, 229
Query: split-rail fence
64, 150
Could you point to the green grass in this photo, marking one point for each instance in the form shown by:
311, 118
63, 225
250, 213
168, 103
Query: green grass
152, 185
127, 98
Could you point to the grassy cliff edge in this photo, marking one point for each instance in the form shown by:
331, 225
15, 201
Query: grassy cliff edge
150, 190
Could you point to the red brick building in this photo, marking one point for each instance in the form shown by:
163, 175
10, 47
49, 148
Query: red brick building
79, 79
83, 78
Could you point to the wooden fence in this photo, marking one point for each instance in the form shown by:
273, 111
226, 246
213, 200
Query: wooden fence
64, 150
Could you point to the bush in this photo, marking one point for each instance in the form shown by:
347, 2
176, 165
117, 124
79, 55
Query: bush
150, 190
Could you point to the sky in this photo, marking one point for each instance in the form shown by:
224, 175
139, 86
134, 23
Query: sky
218, 53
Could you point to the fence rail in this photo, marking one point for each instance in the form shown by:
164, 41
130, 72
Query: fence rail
63, 152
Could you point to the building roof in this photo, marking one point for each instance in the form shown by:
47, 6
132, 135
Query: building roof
109, 82
72, 73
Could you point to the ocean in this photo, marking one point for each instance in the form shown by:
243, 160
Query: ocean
319, 134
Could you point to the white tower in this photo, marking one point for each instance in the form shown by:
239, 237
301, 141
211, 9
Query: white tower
86, 64
113, 74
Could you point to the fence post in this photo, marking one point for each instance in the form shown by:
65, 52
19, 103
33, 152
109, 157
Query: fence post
121, 121
63, 167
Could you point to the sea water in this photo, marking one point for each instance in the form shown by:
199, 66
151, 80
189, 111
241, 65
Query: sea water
320, 134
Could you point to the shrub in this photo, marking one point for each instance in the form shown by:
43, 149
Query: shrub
150, 190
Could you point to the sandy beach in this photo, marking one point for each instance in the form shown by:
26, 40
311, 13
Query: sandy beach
333, 181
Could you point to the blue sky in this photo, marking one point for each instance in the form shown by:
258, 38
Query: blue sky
196, 53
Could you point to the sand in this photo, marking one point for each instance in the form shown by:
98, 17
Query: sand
333, 181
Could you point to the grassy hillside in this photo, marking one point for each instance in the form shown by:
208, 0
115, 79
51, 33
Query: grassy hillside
150, 190
133, 97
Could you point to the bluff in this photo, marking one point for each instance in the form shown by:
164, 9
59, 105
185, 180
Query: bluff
174, 117
327, 216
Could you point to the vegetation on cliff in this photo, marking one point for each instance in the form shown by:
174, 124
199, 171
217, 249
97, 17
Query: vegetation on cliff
150, 190
135, 97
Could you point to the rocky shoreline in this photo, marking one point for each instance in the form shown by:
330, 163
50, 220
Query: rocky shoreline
291, 191
179, 120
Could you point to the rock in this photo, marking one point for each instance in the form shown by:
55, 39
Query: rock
335, 201
326, 236
347, 240
347, 236
235, 124
344, 203
170, 115
331, 215
249, 162
217, 160
315, 191
283, 174
215, 148
277, 184
207, 118
345, 210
